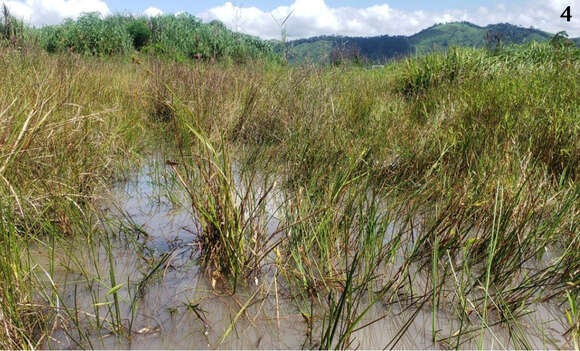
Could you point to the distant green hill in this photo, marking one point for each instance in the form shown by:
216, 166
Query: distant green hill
324, 49
316, 50
468, 34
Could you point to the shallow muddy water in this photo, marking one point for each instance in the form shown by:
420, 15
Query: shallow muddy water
165, 300
176, 307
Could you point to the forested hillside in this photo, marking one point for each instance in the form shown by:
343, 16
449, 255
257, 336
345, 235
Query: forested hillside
438, 37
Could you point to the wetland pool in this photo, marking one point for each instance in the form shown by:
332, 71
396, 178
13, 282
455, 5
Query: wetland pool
142, 287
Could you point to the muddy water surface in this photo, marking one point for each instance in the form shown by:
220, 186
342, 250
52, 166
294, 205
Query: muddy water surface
165, 300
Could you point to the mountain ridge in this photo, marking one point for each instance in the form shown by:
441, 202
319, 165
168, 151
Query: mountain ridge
378, 49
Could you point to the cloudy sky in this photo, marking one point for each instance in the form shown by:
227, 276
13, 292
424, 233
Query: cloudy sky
317, 17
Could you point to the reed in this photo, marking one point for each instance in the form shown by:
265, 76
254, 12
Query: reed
443, 184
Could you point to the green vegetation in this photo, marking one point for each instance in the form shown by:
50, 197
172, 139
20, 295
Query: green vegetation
317, 52
436, 38
140, 33
324, 49
444, 184
466, 34
178, 37
12, 31
451, 34
183, 37
88, 35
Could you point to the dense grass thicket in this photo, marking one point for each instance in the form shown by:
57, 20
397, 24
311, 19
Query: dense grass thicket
447, 183
178, 37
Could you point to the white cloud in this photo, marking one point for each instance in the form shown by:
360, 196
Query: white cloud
40, 12
152, 12
315, 17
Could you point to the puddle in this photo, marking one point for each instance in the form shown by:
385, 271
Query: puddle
176, 307
166, 302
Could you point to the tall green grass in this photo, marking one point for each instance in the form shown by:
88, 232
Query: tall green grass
180, 37
446, 183
61, 138
177, 37
443, 135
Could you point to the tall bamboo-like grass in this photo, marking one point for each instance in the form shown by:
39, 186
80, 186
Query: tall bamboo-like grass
176, 37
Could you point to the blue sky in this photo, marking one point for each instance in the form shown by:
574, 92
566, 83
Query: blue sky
321, 17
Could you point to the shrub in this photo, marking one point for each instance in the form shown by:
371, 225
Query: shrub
140, 32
